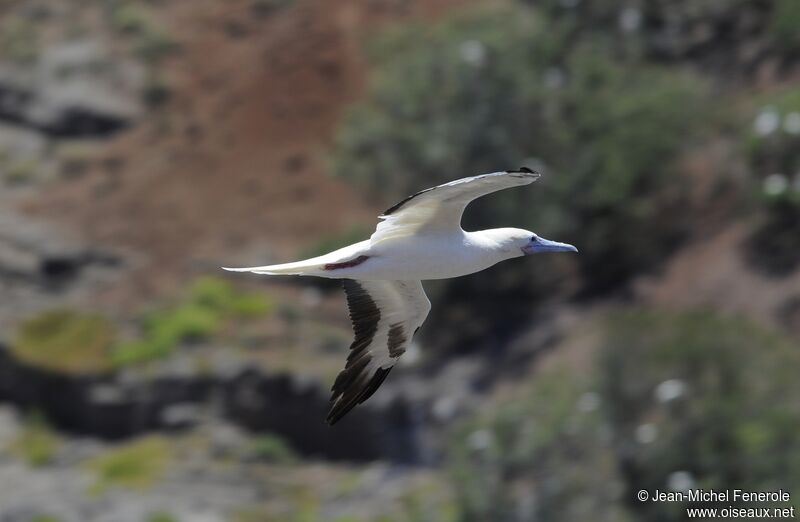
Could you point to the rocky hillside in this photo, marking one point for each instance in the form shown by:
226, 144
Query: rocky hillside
145, 144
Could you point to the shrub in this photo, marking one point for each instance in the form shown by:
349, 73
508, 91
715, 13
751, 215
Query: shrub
150, 42
272, 448
37, 443
691, 395
712, 392
127, 17
140, 351
185, 322
220, 296
527, 459
154, 45
772, 147
267, 7
66, 340
135, 465
211, 303
773, 139
161, 516
19, 40
482, 93
45, 518
75, 158
784, 23
157, 90
164, 330
774, 246
21, 172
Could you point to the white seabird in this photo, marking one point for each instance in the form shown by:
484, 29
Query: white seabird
419, 238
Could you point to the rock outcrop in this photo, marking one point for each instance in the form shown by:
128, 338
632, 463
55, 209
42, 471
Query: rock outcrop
73, 90
118, 405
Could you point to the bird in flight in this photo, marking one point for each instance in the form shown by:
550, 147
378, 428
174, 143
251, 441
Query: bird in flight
417, 239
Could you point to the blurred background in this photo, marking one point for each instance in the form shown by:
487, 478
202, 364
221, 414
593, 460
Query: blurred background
145, 144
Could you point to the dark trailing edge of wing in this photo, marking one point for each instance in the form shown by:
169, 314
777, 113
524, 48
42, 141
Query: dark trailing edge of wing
353, 385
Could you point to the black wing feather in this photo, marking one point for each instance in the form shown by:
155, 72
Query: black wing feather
353, 385
401, 204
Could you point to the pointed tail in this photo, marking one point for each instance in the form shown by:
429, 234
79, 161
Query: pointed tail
348, 256
306, 267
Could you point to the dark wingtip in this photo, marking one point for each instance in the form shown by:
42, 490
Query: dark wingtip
525, 170
334, 417
339, 410
352, 397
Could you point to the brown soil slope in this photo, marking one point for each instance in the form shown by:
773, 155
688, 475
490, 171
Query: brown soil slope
233, 168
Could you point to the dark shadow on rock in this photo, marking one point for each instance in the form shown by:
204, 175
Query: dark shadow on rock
110, 407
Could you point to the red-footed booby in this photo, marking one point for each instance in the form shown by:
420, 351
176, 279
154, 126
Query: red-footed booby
417, 239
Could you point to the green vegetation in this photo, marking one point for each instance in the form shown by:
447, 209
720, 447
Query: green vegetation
774, 134
272, 448
775, 245
210, 305
76, 342
773, 153
693, 396
129, 17
150, 42
136, 465
37, 444
539, 446
422, 504
249, 515
75, 158
268, 7
66, 340
305, 506
157, 90
155, 45
21, 172
512, 85
712, 391
45, 518
784, 24
161, 517
163, 333
19, 40
218, 295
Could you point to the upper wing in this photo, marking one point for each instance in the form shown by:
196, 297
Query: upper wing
385, 315
441, 207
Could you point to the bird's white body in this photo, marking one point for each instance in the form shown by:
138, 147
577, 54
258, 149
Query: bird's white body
418, 239
422, 257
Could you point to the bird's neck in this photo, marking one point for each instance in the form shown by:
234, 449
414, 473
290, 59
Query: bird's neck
492, 242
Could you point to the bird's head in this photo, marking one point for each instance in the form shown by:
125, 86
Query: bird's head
517, 242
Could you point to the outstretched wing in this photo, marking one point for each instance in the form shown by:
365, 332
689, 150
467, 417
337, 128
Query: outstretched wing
385, 315
441, 207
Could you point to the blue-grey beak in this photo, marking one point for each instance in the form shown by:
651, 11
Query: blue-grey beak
540, 244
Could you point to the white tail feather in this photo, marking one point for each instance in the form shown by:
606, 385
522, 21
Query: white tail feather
297, 268
313, 266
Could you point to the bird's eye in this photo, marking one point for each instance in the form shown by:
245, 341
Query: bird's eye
534, 237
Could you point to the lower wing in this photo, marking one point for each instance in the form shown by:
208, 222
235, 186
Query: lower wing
385, 316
